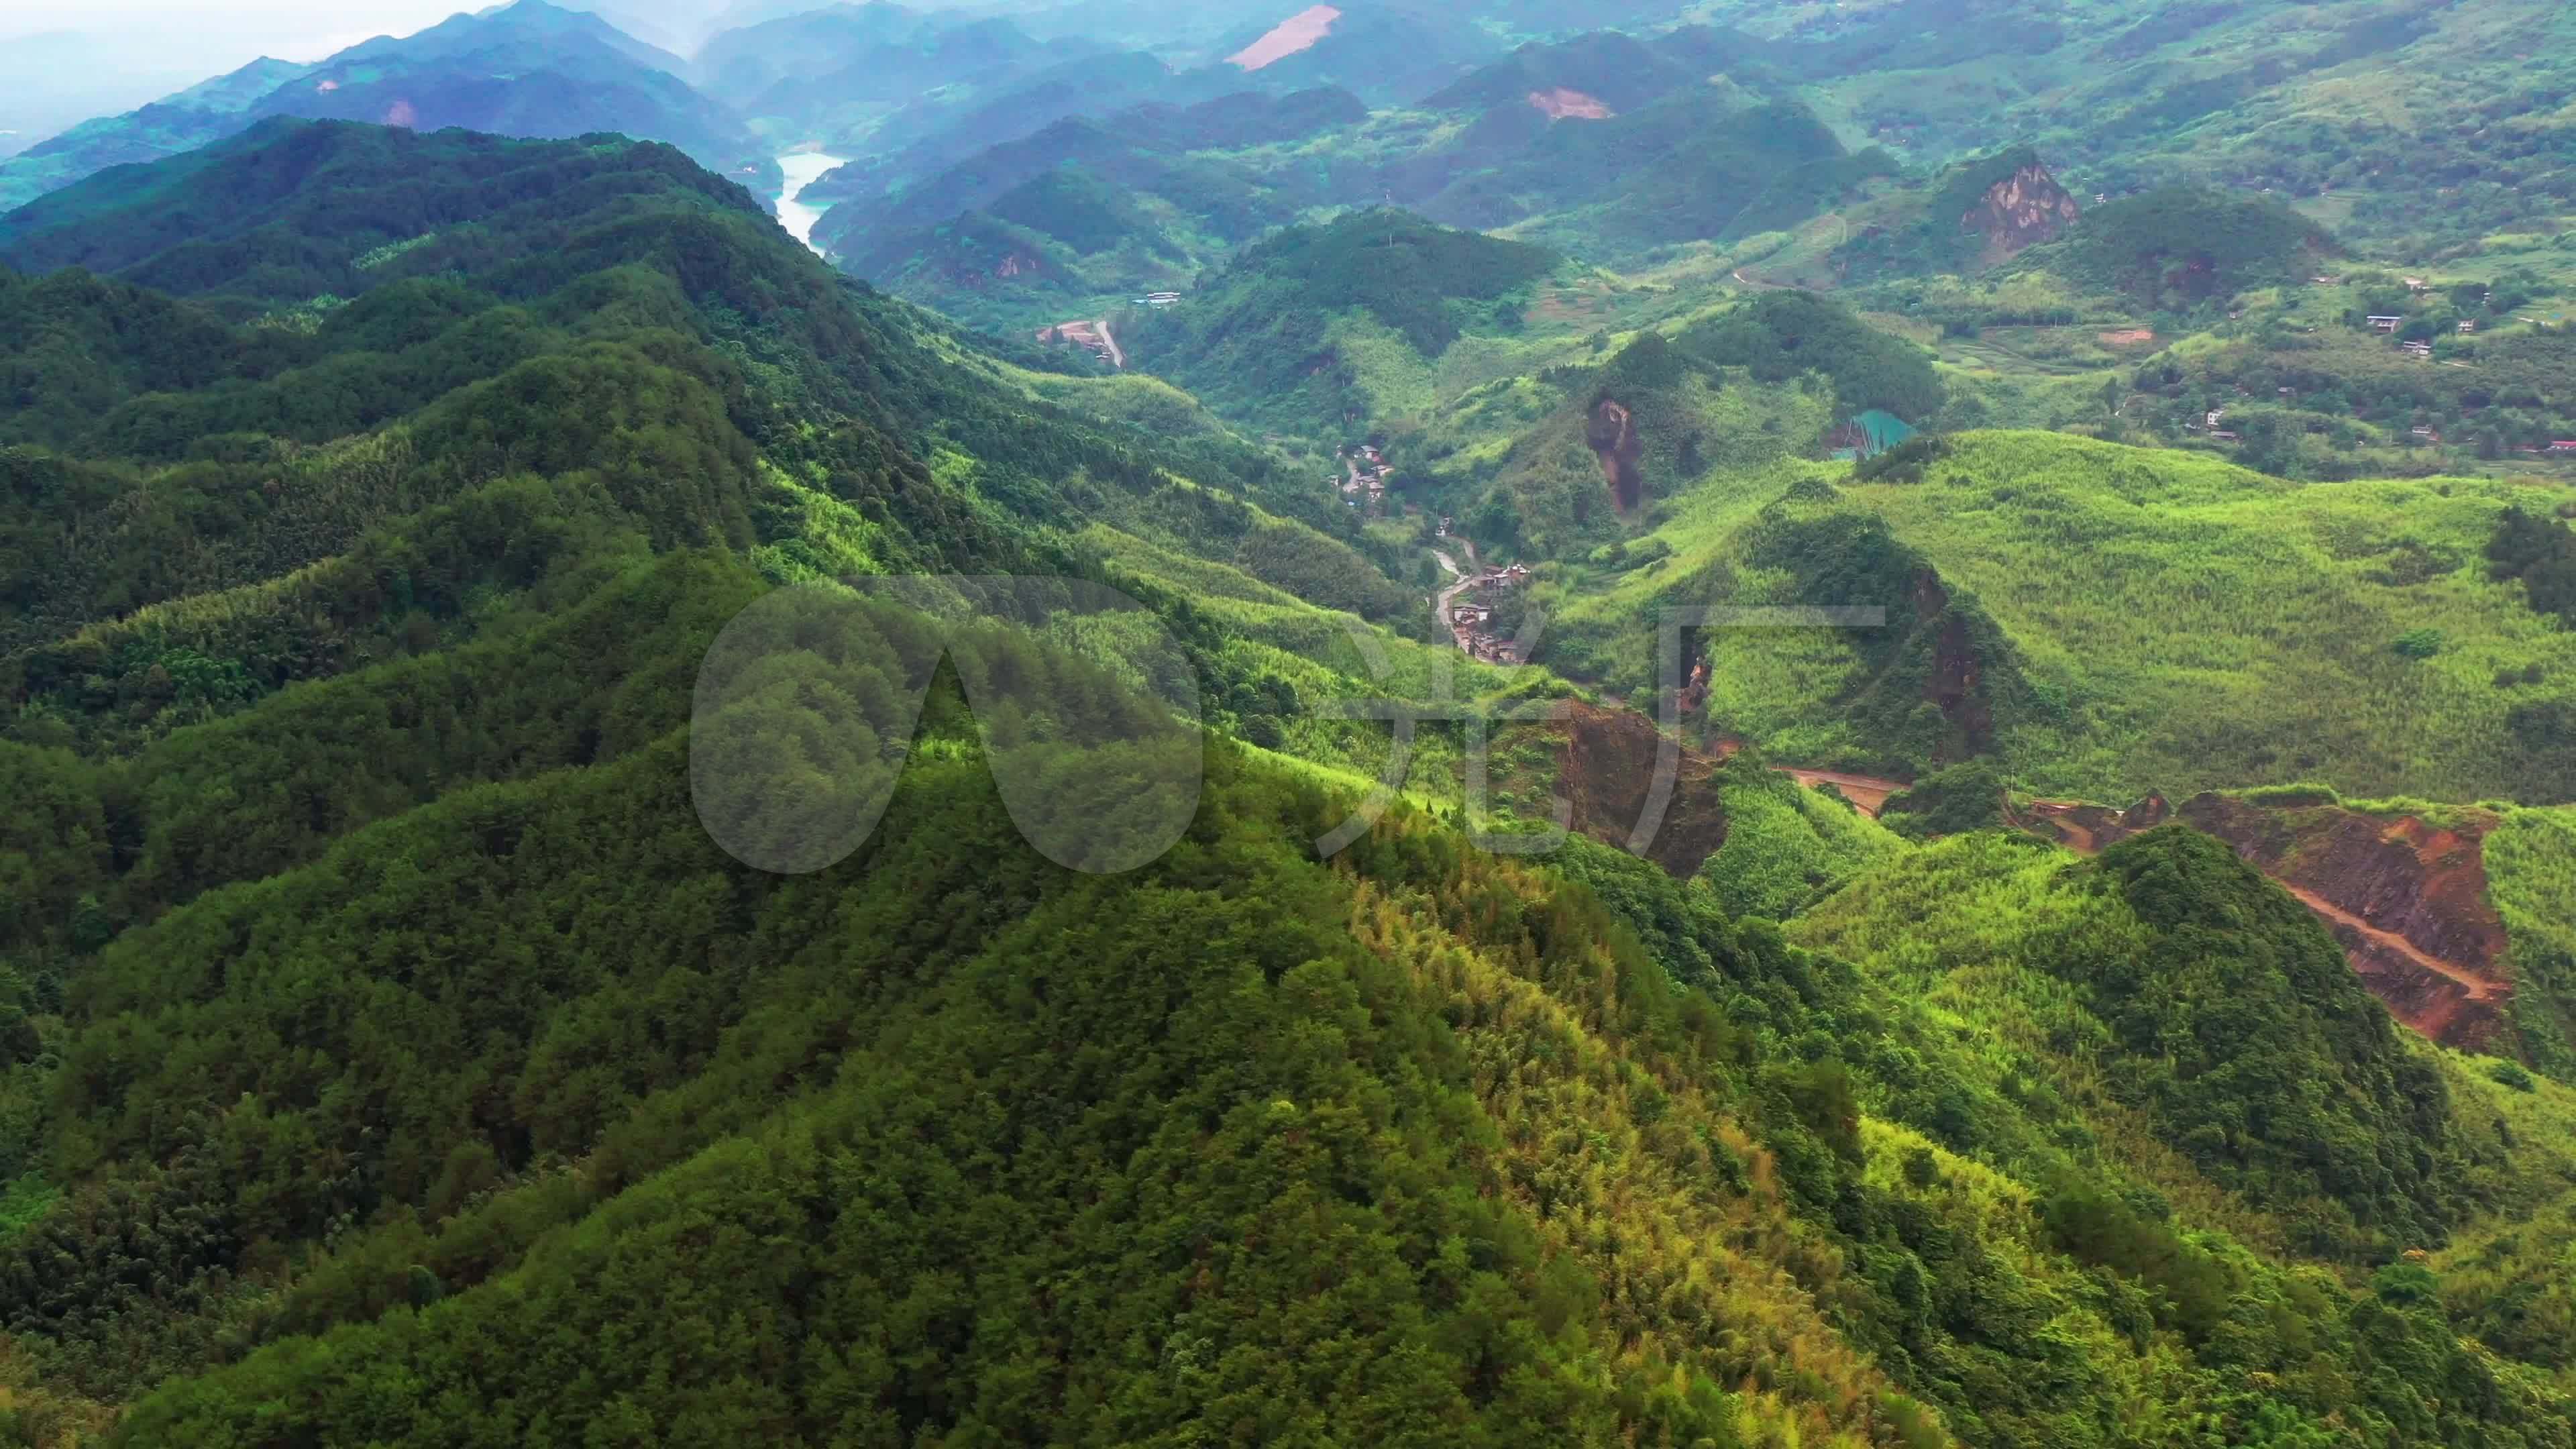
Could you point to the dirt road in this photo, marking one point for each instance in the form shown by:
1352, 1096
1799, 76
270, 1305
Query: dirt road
1868, 793
1093, 333
1762, 286
1464, 577
2478, 987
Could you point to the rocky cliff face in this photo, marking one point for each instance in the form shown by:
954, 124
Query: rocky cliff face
1612, 434
1606, 768
2019, 212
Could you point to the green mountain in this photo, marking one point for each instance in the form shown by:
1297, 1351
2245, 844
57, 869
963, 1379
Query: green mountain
175, 123
1696, 158
1731, 394
2181, 247
1084, 214
1974, 215
1297, 329
835, 74
888, 149
2406, 122
438, 571
1608, 69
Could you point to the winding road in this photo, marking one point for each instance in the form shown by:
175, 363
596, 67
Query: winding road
1440, 602
2479, 988
1867, 794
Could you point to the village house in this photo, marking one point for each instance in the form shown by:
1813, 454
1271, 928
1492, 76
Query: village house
2469, 324
2564, 445
2385, 324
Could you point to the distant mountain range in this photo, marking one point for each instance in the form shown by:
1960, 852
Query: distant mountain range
528, 69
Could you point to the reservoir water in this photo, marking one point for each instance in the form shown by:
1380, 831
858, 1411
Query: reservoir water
801, 170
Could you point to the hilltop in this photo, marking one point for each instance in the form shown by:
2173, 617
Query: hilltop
1972, 217
1773, 378
2180, 247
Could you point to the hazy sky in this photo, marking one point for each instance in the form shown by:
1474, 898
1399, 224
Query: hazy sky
226, 34
63, 61
223, 35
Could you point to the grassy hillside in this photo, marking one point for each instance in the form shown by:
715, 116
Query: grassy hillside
2124, 620
1630, 436
1788, 845
1622, 439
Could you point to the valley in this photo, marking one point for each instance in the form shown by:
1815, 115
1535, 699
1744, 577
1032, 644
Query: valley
802, 169
1150, 724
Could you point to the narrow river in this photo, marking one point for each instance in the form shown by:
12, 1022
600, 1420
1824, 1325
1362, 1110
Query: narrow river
801, 170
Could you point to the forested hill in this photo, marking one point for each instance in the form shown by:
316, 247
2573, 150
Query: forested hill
389, 1054
1279, 334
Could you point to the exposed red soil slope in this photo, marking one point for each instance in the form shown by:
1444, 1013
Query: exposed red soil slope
1953, 684
2405, 898
2087, 828
1868, 793
1605, 769
2019, 212
1296, 33
2441, 1000
1566, 104
1612, 434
